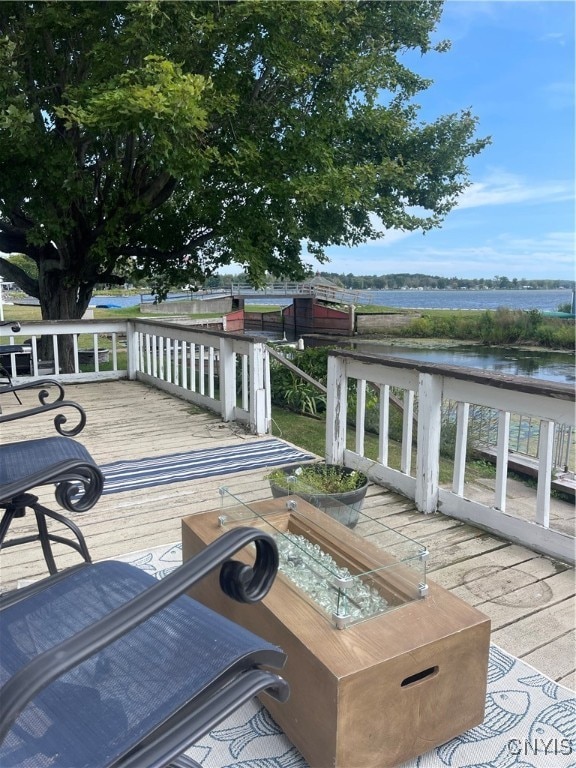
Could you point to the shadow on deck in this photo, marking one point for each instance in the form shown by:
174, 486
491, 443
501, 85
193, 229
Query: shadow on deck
529, 597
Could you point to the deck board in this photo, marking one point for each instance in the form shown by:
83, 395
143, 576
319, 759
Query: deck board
558, 655
537, 630
530, 598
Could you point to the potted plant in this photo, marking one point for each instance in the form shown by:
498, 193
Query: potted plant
338, 491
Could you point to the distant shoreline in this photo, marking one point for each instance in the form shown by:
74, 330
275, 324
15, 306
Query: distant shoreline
541, 299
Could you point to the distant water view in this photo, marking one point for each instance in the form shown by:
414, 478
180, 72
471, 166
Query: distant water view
544, 301
552, 366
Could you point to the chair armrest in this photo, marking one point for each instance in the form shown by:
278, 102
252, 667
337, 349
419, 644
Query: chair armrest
43, 395
68, 475
47, 667
13, 323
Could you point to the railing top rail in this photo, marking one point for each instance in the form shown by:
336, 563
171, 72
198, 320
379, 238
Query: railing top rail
323, 292
168, 325
36, 327
526, 384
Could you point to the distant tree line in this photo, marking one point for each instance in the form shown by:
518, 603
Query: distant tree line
405, 280
354, 282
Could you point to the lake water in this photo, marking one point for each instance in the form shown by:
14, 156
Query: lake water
545, 301
552, 366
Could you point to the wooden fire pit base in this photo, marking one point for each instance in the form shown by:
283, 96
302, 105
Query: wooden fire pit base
372, 695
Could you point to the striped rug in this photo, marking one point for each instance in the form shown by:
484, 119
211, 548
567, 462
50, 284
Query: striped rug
178, 467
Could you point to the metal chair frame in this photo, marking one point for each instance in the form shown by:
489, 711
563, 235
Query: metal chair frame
195, 701
57, 460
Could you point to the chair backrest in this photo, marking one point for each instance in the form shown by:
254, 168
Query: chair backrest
103, 660
62, 461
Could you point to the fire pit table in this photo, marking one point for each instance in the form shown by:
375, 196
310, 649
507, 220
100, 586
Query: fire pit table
383, 665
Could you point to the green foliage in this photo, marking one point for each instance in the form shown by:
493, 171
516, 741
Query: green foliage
448, 431
23, 263
137, 99
501, 327
482, 468
327, 478
166, 139
423, 327
557, 334
302, 397
292, 391
307, 432
392, 281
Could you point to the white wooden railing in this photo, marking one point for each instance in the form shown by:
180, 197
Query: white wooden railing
287, 289
224, 372
88, 337
284, 289
425, 387
230, 374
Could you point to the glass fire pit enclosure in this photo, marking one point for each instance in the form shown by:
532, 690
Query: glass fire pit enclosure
349, 577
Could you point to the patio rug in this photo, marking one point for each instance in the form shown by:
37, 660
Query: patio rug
177, 467
530, 720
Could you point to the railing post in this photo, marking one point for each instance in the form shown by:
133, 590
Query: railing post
407, 422
460, 450
428, 454
360, 414
258, 361
268, 391
545, 458
384, 424
227, 379
336, 410
132, 350
502, 460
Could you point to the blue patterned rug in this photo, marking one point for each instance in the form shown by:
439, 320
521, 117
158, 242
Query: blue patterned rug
530, 720
191, 465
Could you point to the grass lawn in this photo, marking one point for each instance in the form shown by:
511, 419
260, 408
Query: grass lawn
25, 313
310, 433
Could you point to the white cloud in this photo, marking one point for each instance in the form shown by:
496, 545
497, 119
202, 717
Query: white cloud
550, 256
389, 237
501, 188
555, 37
498, 189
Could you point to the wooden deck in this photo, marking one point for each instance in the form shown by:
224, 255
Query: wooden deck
529, 598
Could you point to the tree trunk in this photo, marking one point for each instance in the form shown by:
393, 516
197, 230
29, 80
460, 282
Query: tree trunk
60, 300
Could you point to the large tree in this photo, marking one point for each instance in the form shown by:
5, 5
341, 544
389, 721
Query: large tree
170, 138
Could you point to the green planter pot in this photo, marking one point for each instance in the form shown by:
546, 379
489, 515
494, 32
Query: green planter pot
344, 507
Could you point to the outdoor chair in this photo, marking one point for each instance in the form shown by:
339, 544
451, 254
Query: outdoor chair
6, 352
50, 396
57, 460
106, 667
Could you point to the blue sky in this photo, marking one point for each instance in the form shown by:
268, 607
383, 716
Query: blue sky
513, 63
